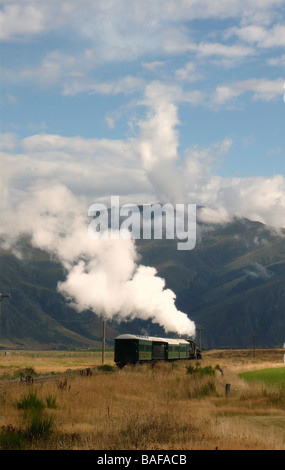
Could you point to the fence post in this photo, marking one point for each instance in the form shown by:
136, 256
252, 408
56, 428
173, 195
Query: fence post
228, 390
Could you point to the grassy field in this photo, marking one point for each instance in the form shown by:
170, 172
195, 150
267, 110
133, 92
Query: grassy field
15, 363
269, 376
69, 400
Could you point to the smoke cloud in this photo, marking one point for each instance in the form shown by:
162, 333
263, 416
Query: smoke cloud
111, 283
103, 275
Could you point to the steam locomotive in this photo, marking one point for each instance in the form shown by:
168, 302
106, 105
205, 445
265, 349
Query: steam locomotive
134, 349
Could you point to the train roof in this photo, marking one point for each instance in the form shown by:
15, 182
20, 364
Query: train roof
152, 338
130, 336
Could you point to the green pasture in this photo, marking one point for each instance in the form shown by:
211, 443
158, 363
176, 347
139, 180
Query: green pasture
274, 376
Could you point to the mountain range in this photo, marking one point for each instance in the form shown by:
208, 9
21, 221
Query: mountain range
232, 284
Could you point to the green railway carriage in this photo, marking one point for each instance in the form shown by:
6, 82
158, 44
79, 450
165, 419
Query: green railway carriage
130, 349
184, 349
178, 349
133, 349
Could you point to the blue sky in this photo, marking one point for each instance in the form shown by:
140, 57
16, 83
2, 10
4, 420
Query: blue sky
101, 96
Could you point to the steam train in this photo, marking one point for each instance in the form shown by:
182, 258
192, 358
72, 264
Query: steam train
134, 349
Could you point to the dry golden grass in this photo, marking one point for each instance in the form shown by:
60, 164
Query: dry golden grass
150, 408
46, 362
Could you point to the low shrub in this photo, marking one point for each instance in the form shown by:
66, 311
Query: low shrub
27, 371
38, 425
35, 423
106, 368
199, 371
206, 390
11, 438
202, 390
51, 402
30, 401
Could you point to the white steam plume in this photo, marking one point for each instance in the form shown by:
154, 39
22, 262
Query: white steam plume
103, 275
112, 284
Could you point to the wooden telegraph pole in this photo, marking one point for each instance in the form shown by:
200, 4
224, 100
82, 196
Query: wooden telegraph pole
103, 341
2, 297
253, 345
200, 340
